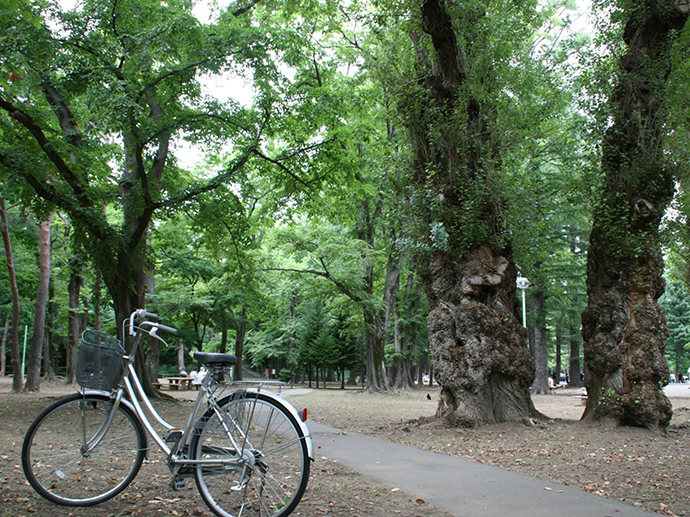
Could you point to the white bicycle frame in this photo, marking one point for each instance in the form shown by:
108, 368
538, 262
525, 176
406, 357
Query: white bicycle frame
136, 395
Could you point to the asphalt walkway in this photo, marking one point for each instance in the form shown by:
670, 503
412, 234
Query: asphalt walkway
460, 487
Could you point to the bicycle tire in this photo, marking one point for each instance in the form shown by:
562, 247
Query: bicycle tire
275, 444
52, 456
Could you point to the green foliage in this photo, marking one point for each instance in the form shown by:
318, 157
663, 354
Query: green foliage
676, 301
314, 335
10, 9
324, 342
300, 196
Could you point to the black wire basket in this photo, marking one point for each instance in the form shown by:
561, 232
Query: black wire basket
100, 361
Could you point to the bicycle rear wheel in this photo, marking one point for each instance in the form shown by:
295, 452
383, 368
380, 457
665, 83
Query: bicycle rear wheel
59, 468
267, 476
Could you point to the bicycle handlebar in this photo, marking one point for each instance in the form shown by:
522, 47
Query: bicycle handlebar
166, 329
152, 320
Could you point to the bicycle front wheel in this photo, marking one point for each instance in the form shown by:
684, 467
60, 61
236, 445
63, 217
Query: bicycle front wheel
263, 470
56, 456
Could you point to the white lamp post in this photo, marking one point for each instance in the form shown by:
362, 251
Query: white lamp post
522, 284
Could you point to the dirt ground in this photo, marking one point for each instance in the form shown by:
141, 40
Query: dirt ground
634, 465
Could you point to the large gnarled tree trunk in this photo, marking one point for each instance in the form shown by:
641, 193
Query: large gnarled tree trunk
623, 326
479, 351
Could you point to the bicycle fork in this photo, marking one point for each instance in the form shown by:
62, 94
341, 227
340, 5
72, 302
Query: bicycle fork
89, 444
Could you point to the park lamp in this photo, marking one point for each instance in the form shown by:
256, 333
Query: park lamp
523, 284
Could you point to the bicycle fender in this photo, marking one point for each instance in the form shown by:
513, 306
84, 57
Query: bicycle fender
303, 426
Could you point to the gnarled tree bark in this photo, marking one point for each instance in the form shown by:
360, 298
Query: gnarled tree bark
479, 351
623, 326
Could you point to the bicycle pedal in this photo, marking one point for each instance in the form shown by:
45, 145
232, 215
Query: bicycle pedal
178, 484
172, 436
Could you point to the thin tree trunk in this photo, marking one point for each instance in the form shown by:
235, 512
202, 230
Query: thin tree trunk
33, 375
17, 380
153, 353
375, 339
240, 333
575, 368
180, 355
559, 345
420, 367
224, 324
48, 371
403, 374
395, 371
2, 347
98, 301
49, 356
540, 349
74, 324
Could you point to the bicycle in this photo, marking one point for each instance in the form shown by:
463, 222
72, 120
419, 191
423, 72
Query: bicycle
249, 451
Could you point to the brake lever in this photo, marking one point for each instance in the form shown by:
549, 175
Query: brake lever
153, 333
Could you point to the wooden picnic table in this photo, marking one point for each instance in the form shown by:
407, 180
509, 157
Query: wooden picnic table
177, 383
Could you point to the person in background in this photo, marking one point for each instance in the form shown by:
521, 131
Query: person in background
195, 377
199, 378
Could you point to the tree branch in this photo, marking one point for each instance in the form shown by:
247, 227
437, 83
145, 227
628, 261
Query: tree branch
277, 162
150, 86
280, 166
179, 123
245, 9
212, 184
324, 274
436, 22
94, 226
64, 114
39, 136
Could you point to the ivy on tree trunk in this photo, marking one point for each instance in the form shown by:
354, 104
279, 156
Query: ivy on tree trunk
479, 352
623, 327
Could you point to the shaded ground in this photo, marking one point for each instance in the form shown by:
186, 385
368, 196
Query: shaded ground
647, 469
333, 489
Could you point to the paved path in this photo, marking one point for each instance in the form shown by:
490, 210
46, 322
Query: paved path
461, 487
677, 390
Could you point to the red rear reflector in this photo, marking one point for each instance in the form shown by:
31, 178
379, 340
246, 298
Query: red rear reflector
304, 415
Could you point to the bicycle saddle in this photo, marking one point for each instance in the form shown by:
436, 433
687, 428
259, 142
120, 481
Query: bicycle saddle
214, 358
